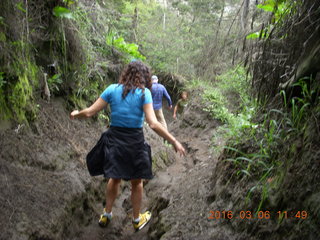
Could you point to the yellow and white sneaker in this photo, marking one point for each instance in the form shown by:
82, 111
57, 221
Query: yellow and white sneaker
144, 219
105, 219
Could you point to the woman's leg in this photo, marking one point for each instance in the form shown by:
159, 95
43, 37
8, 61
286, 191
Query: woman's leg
112, 190
136, 196
160, 118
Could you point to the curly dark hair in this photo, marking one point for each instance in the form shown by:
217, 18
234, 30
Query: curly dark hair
135, 75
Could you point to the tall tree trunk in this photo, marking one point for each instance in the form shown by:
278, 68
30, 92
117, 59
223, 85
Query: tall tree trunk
220, 20
254, 15
27, 20
164, 20
244, 15
135, 24
165, 5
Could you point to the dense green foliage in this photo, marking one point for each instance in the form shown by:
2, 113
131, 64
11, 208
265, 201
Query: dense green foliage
130, 49
174, 37
279, 9
17, 92
82, 42
271, 154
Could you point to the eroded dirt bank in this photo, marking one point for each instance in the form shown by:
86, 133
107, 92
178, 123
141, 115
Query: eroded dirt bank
46, 192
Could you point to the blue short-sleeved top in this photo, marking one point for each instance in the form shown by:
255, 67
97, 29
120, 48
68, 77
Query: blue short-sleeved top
127, 112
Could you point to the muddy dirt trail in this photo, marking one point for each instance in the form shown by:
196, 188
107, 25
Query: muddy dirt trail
178, 194
157, 196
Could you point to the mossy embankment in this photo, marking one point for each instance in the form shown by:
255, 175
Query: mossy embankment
46, 191
53, 49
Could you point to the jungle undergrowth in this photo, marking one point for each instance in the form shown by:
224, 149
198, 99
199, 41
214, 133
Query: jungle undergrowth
273, 145
257, 138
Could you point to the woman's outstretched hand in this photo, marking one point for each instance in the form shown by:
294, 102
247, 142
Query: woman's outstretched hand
73, 114
179, 148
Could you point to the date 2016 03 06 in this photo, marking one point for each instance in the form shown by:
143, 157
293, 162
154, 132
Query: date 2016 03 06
214, 215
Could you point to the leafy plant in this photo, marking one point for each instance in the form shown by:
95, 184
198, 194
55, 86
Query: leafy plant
128, 48
2, 81
19, 6
299, 106
215, 104
235, 82
263, 33
62, 12
248, 161
54, 83
279, 8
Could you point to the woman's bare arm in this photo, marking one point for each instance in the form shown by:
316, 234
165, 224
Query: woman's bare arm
160, 130
96, 107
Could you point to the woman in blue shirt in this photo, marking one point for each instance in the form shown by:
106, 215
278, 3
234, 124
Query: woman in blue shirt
121, 152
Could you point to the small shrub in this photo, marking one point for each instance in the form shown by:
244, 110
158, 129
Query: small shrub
131, 49
54, 83
215, 104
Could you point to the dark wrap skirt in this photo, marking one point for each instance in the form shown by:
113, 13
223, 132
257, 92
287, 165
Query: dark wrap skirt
121, 153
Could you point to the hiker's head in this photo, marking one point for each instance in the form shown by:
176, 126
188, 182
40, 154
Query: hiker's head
135, 75
154, 79
184, 95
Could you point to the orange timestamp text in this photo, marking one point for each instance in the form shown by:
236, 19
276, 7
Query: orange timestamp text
214, 215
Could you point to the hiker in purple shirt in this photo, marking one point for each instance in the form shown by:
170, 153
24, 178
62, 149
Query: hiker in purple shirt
158, 91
